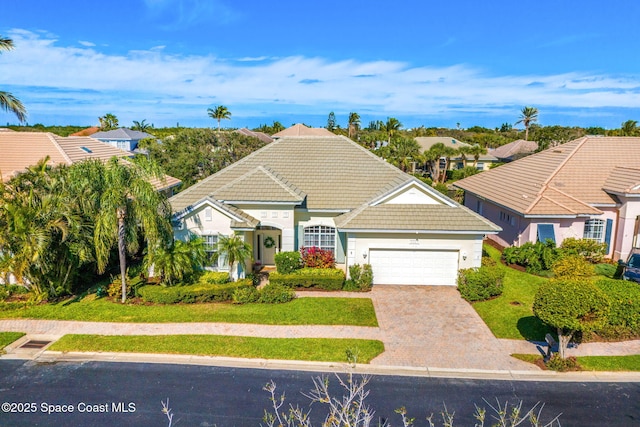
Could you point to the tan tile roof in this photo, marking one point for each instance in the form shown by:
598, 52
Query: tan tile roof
260, 135
260, 185
333, 172
299, 130
564, 180
421, 217
86, 132
23, 149
509, 150
623, 180
426, 142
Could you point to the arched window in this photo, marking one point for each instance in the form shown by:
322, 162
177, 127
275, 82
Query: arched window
320, 236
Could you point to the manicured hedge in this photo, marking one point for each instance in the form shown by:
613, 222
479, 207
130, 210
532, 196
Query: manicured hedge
479, 284
330, 279
624, 311
214, 277
193, 293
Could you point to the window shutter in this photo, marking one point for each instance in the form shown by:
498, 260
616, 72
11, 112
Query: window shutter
607, 234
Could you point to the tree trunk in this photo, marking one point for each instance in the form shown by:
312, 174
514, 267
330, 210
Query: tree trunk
563, 342
122, 251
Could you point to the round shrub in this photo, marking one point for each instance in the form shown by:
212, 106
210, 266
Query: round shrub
276, 294
572, 266
591, 250
288, 262
479, 284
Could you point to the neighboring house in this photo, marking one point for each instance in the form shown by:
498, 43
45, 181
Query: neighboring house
484, 162
23, 149
260, 135
587, 188
514, 150
302, 130
329, 192
122, 138
86, 131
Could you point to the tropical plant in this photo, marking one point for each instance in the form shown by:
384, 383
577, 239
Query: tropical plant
218, 113
403, 152
235, 251
127, 206
447, 153
108, 122
354, 123
8, 102
476, 151
177, 260
528, 116
629, 128
391, 127
331, 122
142, 126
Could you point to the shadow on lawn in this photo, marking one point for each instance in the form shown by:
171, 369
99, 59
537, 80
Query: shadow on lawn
532, 328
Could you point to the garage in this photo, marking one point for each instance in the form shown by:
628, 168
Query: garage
414, 267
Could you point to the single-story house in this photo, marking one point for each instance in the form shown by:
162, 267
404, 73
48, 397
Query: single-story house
260, 135
326, 191
122, 138
587, 188
484, 161
23, 149
514, 150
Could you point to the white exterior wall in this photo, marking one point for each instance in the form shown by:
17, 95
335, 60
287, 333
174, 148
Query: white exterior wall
282, 217
625, 238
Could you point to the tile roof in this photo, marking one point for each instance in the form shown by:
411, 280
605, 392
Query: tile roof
260, 135
509, 150
437, 218
260, 185
564, 180
623, 180
333, 172
299, 130
86, 132
426, 142
23, 149
121, 133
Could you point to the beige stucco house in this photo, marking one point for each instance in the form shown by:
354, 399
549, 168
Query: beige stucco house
327, 191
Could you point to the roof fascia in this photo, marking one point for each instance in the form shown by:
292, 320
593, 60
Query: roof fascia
206, 201
403, 231
402, 187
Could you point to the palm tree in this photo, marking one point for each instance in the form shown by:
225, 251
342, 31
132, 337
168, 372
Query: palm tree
391, 127
177, 260
528, 115
8, 102
218, 113
447, 153
127, 206
476, 151
629, 128
141, 126
108, 122
403, 152
432, 156
354, 123
236, 251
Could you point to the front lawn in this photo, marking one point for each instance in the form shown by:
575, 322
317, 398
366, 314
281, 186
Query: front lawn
301, 311
510, 315
312, 349
7, 338
595, 363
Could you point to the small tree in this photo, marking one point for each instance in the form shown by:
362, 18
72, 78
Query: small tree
236, 251
570, 305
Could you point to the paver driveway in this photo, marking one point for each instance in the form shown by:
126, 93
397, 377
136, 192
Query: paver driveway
431, 326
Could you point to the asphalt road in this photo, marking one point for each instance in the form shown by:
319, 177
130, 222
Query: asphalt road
114, 394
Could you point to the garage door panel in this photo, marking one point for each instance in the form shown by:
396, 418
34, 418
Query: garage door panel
414, 267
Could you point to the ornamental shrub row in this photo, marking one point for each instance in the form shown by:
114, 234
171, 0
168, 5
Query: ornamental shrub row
479, 284
330, 279
214, 277
270, 294
200, 292
624, 311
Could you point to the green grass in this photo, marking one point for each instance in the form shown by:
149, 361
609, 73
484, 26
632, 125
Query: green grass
7, 338
301, 311
510, 315
311, 349
596, 363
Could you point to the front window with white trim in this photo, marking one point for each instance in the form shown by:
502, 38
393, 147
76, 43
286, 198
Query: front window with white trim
210, 248
594, 230
320, 236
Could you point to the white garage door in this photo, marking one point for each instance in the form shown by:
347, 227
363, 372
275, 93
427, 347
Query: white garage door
414, 267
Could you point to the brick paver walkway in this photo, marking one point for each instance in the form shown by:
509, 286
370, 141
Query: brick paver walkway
420, 326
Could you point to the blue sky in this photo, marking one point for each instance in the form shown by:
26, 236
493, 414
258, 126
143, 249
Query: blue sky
425, 62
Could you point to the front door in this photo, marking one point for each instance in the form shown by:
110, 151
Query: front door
268, 242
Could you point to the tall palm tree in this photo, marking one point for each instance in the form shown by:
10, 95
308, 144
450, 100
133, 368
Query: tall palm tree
403, 152
176, 260
432, 157
476, 151
108, 122
391, 127
354, 123
447, 153
142, 126
629, 128
8, 102
528, 115
235, 251
218, 113
128, 205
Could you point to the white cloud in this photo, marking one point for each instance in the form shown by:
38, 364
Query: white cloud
145, 80
86, 43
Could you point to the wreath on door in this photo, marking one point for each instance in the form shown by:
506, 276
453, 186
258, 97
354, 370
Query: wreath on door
269, 242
